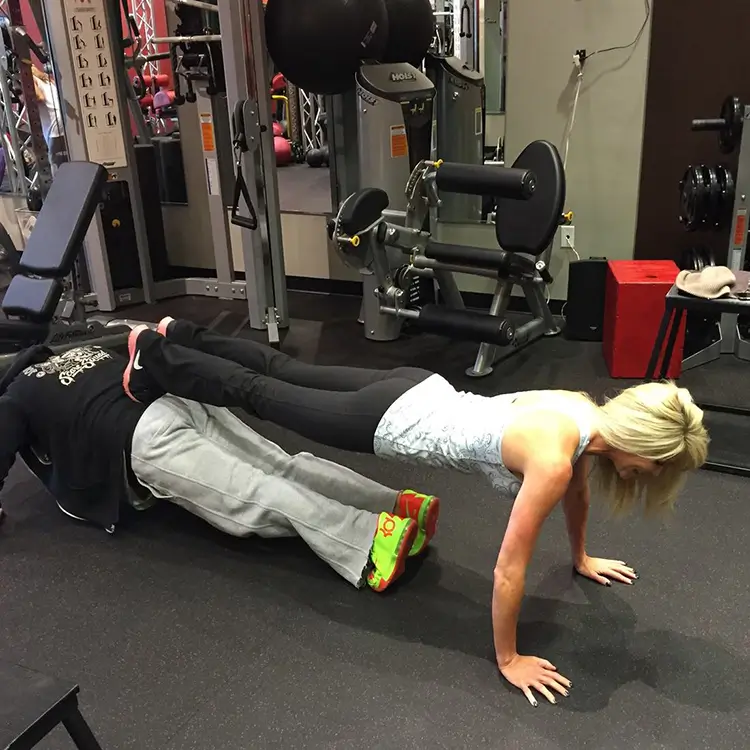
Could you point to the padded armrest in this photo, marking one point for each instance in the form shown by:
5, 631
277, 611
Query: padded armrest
65, 217
34, 300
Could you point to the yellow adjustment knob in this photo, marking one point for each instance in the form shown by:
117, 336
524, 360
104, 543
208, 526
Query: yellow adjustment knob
115, 223
568, 216
438, 164
355, 240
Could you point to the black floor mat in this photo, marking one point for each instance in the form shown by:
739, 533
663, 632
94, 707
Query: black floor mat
183, 638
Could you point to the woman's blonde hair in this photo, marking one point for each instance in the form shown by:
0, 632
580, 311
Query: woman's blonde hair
659, 422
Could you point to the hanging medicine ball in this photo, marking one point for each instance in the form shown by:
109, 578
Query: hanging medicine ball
318, 45
411, 28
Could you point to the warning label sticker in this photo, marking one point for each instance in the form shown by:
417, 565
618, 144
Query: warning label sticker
740, 228
399, 146
207, 133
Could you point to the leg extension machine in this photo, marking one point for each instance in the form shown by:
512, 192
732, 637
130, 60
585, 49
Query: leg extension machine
530, 198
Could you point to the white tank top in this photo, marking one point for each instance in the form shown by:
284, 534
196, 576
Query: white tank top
435, 424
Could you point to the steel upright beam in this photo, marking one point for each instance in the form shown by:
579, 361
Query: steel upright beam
244, 51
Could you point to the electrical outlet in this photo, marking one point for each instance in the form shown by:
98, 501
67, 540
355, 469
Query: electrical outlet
568, 237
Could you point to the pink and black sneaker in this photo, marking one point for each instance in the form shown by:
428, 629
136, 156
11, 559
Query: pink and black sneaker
163, 328
136, 382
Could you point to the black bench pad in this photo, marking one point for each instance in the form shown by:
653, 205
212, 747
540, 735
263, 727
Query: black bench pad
65, 217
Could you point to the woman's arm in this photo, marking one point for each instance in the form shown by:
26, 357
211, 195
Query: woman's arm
542, 488
576, 507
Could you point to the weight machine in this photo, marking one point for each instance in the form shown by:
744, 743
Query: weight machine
224, 68
403, 268
712, 198
726, 424
384, 231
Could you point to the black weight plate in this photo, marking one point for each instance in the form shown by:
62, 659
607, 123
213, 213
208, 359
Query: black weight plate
693, 198
529, 226
713, 200
705, 256
726, 184
732, 112
689, 260
696, 258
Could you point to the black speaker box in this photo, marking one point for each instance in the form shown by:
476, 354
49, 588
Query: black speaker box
584, 310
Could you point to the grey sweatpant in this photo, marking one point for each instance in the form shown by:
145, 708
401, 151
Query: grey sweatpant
208, 461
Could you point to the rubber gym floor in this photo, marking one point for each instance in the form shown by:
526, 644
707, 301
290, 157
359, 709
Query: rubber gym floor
183, 638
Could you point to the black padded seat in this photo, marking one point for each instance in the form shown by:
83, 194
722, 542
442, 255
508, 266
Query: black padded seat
32, 299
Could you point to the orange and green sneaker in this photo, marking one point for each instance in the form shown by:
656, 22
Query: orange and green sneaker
390, 549
425, 510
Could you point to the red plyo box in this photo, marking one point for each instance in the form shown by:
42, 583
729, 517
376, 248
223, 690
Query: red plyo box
633, 309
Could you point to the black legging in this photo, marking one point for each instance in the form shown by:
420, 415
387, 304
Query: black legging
336, 406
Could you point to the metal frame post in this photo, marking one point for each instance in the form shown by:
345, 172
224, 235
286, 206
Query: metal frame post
217, 202
246, 71
11, 145
732, 341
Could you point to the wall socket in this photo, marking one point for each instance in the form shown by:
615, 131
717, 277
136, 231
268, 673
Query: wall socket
568, 237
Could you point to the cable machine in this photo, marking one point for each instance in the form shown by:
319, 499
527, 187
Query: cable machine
87, 45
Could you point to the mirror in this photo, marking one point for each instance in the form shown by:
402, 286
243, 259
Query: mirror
495, 53
17, 155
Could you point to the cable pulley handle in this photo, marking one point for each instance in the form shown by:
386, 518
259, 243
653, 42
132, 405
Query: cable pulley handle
241, 191
466, 31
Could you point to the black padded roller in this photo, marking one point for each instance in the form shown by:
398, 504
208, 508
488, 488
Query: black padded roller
465, 325
479, 179
465, 255
503, 262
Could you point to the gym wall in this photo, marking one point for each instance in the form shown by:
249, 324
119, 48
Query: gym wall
603, 171
699, 55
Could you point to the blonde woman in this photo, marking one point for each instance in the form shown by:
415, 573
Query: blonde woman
539, 446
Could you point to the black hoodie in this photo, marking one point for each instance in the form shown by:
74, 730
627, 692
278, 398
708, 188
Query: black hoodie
69, 419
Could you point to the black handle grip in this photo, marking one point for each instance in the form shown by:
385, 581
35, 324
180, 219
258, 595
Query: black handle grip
546, 275
478, 179
244, 221
711, 123
158, 56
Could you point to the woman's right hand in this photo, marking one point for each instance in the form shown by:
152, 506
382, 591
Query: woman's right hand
527, 672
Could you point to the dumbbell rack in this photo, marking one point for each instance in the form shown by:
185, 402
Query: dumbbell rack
730, 338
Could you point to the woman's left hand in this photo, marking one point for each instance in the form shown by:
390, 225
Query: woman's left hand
605, 571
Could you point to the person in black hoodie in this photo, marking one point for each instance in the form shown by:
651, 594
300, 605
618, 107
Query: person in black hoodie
69, 418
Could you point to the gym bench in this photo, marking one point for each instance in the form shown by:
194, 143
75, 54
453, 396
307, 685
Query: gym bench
32, 705
36, 291
727, 425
